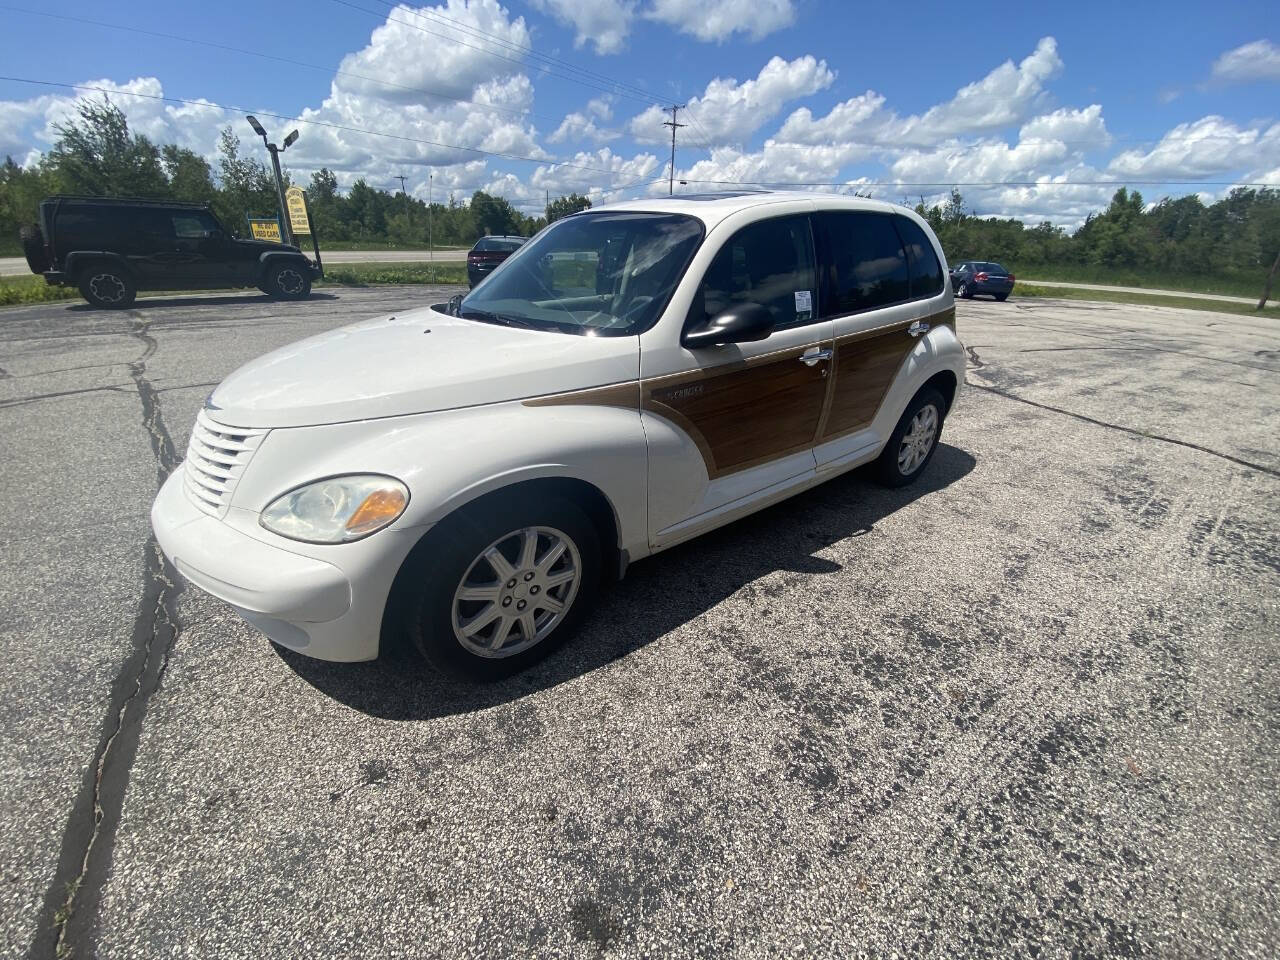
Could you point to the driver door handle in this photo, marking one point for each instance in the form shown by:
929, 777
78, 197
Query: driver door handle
813, 356
918, 328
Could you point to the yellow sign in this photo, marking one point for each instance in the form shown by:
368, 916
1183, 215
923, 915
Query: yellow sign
298, 221
265, 230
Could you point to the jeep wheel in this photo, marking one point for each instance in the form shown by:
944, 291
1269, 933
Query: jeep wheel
288, 281
487, 594
106, 285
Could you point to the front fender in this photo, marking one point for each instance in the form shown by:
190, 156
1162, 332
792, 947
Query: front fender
451, 458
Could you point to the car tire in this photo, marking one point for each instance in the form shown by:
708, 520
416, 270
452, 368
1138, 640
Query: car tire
914, 440
1002, 297
107, 286
964, 293
287, 281
445, 625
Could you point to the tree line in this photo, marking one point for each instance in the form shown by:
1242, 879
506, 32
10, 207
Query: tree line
1238, 236
96, 154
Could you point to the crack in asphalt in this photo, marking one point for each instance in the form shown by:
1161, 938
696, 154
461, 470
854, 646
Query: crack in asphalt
977, 364
69, 914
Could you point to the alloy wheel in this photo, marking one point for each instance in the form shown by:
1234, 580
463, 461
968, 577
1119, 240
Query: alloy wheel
516, 592
918, 440
289, 281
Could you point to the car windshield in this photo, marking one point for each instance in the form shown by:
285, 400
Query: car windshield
593, 274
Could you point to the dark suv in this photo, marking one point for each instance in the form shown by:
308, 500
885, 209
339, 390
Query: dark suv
981, 276
112, 248
487, 254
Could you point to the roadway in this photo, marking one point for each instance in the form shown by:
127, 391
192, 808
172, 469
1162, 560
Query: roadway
17, 266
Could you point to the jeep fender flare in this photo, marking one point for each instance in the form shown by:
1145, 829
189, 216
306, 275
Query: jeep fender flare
270, 258
75, 261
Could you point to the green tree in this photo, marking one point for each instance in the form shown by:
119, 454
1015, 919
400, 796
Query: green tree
563, 206
492, 215
188, 173
96, 155
245, 187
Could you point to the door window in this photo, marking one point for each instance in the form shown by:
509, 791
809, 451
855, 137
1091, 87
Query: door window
192, 226
926, 272
864, 265
769, 263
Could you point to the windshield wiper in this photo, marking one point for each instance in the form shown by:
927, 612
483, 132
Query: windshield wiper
502, 319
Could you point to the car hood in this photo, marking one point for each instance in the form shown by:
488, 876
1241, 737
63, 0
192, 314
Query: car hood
418, 361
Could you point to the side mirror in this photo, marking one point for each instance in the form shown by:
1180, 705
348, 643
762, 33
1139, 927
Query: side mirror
741, 323
455, 304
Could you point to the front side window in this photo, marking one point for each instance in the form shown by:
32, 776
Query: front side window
926, 272
769, 263
596, 274
192, 226
864, 265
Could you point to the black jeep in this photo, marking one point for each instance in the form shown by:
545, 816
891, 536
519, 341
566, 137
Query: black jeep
112, 248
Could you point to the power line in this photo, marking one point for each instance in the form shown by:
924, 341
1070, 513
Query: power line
985, 183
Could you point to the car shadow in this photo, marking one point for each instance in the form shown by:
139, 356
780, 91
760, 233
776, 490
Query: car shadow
657, 596
202, 301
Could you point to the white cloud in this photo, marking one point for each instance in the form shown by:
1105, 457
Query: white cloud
718, 20
578, 127
1259, 60
1081, 128
1208, 146
605, 23
729, 111
1008, 94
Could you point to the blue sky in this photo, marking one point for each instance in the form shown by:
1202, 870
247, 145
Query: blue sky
779, 91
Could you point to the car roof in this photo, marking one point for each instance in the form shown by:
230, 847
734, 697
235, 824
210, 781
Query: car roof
126, 201
711, 208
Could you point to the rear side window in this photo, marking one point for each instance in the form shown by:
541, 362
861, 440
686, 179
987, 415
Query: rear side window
770, 263
926, 272
863, 263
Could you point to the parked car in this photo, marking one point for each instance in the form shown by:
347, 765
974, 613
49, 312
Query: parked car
981, 276
488, 252
465, 475
112, 248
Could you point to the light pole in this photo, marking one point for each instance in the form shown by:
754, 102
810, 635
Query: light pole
431, 235
285, 233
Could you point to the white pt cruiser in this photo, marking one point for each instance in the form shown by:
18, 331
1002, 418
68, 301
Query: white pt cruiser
465, 474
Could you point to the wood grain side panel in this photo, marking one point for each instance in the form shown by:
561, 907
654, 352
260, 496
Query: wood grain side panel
747, 414
864, 367
626, 395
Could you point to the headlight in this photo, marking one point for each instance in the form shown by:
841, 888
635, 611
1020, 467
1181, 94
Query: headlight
336, 510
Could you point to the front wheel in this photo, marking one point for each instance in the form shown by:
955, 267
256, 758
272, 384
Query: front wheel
287, 281
491, 591
913, 441
107, 286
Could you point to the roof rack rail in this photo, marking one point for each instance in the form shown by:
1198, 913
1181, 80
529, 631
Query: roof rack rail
150, 201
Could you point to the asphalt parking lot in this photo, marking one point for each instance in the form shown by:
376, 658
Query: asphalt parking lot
1027, 707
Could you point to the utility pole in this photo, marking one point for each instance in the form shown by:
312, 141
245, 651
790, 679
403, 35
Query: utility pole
402, 178
285, 233
431, 235
671, 184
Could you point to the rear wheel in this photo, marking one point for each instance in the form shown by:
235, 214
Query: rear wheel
490, 592
288, 281
1002, 297
913, 441
106, 285
965, 293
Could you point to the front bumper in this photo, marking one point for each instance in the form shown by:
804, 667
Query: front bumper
330, 609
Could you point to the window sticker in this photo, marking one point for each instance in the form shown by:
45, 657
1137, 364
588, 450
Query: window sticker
804, 304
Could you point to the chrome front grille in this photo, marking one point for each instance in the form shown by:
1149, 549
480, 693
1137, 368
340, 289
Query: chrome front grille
216, 458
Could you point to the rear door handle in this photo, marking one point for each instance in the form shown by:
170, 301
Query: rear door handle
918, 328
812, 357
